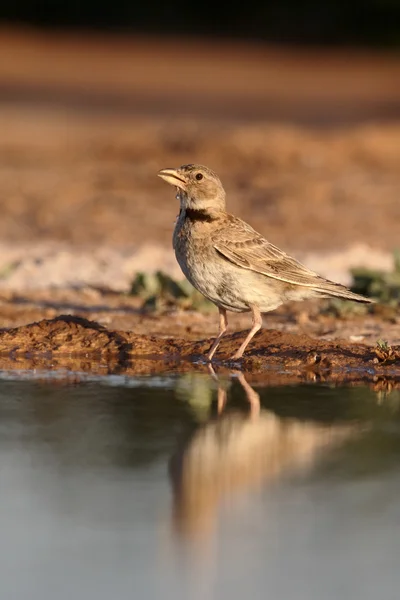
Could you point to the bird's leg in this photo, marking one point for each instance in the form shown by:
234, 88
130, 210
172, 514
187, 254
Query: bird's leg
251, 395
222, 396
222, 399
256, 326
223, 326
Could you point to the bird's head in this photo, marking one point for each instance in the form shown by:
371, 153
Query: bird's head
198, 187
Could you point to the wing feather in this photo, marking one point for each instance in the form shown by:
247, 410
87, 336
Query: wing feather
243, 246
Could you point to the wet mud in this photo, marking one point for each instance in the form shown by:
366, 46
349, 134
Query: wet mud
76, 344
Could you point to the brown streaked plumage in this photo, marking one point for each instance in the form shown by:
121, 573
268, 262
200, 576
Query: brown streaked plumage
229, 262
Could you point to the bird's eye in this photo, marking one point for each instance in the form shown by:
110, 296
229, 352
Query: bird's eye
199, 176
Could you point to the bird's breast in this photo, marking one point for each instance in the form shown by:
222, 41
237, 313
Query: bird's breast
203, 267
192, 249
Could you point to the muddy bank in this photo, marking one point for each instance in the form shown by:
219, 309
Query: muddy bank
117, 311
79, 344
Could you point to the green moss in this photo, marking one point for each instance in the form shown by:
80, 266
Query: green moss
345, 308
159, 291
381, 285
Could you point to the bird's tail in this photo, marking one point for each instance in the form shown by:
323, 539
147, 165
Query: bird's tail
329, 289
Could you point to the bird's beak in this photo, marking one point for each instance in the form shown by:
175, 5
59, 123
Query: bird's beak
174, 177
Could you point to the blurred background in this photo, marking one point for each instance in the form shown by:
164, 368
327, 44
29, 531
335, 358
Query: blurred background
368, 22
296, 105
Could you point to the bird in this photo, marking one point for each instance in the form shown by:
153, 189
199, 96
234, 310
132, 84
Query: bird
229, 262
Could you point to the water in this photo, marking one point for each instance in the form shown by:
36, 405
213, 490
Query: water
136, 488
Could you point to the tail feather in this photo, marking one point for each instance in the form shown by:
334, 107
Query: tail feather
329, 289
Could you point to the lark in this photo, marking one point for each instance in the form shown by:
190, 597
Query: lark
229, 262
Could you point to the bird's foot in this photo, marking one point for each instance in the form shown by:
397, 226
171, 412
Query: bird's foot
236, 356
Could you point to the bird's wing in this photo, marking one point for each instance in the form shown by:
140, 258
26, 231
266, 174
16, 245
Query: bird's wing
243, 246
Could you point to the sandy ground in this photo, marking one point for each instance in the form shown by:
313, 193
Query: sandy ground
307, 145
91, 181
81, 203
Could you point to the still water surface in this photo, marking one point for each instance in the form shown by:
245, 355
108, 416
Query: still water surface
138, 488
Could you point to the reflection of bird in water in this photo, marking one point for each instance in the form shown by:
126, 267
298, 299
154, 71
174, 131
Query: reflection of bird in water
240, 452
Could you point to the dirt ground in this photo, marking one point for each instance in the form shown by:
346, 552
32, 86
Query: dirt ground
92, 181
77, 344
306, 144
80, 168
